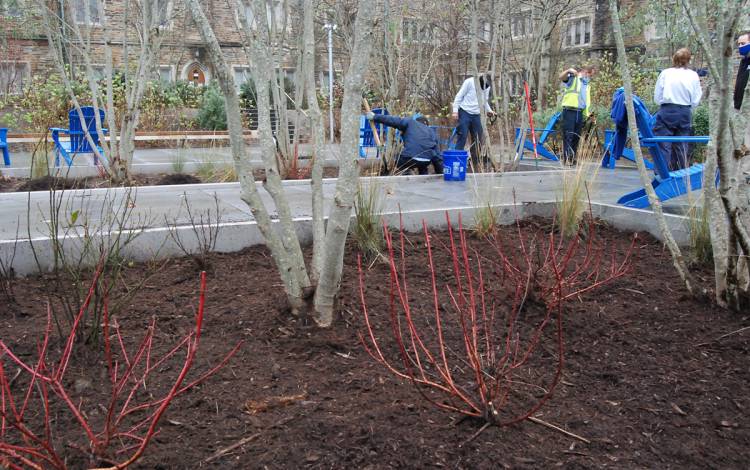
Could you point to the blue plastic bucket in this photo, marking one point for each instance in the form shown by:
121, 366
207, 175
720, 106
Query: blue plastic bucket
454, 165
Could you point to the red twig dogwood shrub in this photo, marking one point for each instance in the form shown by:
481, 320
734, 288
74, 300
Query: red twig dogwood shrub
484, 336
124, 424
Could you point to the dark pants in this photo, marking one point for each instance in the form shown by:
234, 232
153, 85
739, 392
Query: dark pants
673, 120
437, 164
469, 124
405, 164
572, 125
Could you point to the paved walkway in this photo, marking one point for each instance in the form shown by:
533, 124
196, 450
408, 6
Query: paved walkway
162, 160
155, 206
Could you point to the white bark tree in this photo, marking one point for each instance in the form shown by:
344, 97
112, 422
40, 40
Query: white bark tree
285, 247
674, 249
346, 186
70, 35
730, 232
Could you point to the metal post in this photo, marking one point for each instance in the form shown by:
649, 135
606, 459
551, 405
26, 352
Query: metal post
330, 28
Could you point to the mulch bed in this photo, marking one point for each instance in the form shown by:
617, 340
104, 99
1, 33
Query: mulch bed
648, 377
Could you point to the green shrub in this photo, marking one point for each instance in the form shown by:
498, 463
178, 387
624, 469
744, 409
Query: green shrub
608, 79
247, 94
212, 115
701, 120
45, 103
188, 94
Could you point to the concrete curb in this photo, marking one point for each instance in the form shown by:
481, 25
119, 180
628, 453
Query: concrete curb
156, 243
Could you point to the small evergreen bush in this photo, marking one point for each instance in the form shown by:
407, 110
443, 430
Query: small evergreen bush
212, 114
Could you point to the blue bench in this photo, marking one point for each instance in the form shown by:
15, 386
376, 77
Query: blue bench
77, 131
667, 184
4, 145
541, 148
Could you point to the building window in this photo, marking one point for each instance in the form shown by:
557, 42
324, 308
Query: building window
250, 16
164, 13
13, 77
290, 75
165, 73
515, 83
241, 76
520, 25
274, 11
99, 72
11, 8
578, 32
87, 11
485, 31
654, 31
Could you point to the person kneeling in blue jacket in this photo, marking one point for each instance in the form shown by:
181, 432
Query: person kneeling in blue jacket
421, 146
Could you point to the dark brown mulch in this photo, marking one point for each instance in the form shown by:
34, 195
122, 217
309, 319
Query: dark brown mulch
178, 178
46, 183
648, 377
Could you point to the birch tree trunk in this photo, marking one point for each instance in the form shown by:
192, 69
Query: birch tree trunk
732, 242
249, 193
346, 186
262, 73
318, 139
669, 240
119, 150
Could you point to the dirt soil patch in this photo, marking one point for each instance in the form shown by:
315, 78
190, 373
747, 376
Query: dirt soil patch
653, 378
179, 178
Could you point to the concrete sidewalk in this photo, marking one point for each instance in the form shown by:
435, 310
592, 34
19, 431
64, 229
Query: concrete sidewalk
156, 206
91, 216
162, 160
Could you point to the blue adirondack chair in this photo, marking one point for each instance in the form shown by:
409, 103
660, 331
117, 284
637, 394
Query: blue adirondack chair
614, 140
4, 145
541, 149
667, 184
609, 158
366, 138
78, 142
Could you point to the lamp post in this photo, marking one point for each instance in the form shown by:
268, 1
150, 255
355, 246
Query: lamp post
330, 27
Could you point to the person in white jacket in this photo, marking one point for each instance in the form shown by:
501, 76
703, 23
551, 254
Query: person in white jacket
466, 111
677, 92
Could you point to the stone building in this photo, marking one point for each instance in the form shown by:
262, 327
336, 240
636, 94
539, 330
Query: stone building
24, 50
432, 40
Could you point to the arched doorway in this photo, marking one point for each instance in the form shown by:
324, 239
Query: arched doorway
195, 74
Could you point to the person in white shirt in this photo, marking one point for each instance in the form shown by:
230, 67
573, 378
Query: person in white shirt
678, 92
466, 111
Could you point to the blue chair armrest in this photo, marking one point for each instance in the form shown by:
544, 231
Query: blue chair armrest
56, 131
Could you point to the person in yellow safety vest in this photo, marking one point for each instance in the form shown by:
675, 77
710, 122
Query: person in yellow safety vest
576, 104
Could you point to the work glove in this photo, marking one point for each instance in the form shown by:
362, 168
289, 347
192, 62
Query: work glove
370, 116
